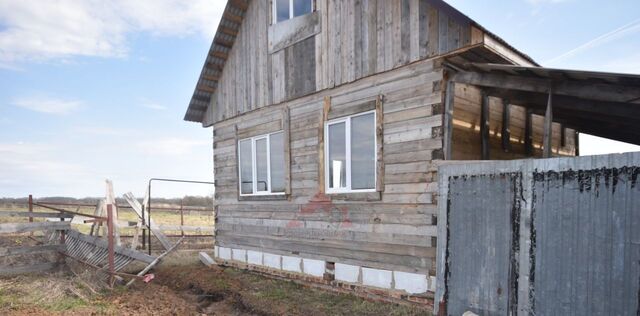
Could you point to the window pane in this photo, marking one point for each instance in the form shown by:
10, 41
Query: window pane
261, 164
337, 152
276, 142
301, 7
363, 152
282, 10
246, 175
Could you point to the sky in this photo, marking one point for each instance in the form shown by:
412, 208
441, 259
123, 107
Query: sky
91, 89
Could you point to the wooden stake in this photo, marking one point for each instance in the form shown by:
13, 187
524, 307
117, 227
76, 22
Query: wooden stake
548, 132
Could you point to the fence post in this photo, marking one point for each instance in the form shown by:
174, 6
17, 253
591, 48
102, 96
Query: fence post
30, 210
181, 218
111, 243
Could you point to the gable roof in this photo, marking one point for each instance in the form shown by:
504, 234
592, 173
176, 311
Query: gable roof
227, 32
216, 58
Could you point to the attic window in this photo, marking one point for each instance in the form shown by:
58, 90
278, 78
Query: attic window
288, 9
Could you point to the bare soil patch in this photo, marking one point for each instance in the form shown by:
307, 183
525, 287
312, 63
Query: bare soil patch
183, 286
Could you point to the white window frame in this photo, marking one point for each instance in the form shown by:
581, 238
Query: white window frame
275, 10
347, 128
254, 173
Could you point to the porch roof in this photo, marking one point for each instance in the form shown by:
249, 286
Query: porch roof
598, 103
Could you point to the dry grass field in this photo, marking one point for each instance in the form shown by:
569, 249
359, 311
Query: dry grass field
182, 286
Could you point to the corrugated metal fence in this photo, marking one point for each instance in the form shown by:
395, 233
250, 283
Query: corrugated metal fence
540, 237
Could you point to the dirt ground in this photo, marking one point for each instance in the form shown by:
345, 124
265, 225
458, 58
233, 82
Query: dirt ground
182, 286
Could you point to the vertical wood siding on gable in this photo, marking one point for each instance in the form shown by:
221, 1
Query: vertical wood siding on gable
359, 38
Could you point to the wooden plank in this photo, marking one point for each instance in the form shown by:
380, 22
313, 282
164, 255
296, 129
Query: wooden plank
528, 133
28, 269
137, 207
484, 126
286, 127
15, 251
448, 118
380, 184
592, 91
155, 261
35, 214
506, 124
548, 132
326, 107
338, 111
110, 199
11, 228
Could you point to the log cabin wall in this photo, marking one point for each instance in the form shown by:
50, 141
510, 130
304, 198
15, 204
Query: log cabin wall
342, 41
393, 229
466, 141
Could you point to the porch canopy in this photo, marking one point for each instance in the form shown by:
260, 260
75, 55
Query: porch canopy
596, 103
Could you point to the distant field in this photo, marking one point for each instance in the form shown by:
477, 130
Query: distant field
203, 219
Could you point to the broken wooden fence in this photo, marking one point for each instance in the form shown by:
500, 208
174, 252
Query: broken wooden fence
49, 240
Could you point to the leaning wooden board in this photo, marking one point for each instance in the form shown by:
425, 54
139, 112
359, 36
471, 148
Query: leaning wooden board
155, 229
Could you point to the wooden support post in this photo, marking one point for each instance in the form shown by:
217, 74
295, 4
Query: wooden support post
484, 126
563, 135
379, 145
576, 143
548, 132
528, 133
326, 107
30, 210
181, 219
110, 239
448, 118
506, 124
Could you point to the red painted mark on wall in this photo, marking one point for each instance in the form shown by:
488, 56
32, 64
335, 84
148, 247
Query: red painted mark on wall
338, 216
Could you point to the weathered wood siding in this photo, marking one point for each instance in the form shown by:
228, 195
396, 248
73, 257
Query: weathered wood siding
395, 230
466, 142
358, 38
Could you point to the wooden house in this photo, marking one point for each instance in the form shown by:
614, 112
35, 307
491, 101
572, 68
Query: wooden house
330, 118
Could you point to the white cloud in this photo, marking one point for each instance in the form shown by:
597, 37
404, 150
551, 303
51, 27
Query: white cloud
33, 30
150, 104
625, 30
47, 104
172, 146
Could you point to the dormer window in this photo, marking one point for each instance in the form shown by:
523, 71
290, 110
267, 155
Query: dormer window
288, 9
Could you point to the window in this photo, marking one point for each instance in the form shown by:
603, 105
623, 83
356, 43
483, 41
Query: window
350, 160
262, 164
288, 9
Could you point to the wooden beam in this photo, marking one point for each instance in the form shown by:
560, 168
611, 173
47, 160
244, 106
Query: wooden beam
326, 107
379, 144
232, 17
228, 31
219, 54
448, 119
585, 90
563, 136
213, 66
206, 88
506, 125
9, 228
286, 129
576, 142
239, 4
599, 108
34, 214
484, 126
528, 133
548, 130
210, 78
223, 43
